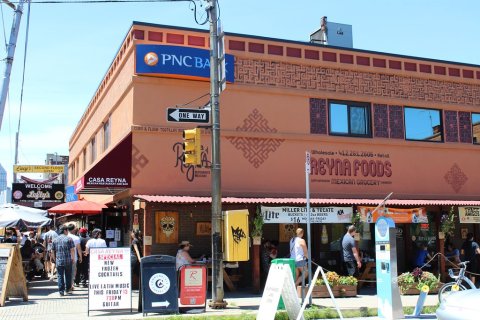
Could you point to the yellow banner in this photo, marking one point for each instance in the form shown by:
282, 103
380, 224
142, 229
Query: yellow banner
38, 169
415, 215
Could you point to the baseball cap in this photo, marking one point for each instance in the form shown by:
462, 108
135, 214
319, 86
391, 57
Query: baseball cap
83, 230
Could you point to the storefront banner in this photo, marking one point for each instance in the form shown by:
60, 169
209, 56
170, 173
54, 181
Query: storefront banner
178, 62
469, 214
38, 169
109, 286
26, 192
300, 214
415, 215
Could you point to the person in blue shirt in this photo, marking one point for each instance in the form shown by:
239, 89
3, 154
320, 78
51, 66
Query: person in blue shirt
422, 257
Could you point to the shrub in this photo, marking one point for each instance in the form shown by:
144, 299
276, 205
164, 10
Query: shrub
334, 280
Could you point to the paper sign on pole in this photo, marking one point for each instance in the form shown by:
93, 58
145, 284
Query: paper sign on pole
279, 283
110, 286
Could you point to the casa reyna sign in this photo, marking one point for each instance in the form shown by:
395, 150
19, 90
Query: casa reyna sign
178, 62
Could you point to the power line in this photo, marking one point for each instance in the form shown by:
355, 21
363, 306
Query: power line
101, 1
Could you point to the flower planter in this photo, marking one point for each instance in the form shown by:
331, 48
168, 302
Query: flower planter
414, 291
339, 291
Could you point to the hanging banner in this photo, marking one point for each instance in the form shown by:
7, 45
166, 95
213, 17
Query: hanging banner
299, 214
109, 286
469, 214
415, 215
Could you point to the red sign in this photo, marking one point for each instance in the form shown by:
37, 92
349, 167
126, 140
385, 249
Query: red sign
193, 285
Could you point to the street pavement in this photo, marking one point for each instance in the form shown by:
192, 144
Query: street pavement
45, 303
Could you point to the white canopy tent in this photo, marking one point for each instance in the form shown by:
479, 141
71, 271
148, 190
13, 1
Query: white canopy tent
13, 215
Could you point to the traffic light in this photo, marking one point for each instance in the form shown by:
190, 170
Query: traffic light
192, 147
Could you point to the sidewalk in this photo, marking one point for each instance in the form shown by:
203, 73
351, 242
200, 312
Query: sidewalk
45, 303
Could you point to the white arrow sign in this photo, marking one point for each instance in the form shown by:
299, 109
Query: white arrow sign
164, 304
188, 115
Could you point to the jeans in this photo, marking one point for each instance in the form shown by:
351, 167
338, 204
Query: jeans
351, 267
64, 274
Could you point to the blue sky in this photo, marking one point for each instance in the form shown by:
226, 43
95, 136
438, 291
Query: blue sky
71, 46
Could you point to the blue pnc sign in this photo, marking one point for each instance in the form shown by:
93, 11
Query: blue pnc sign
178, 62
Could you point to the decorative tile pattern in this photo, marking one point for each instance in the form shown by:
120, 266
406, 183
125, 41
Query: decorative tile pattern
465, 127
290, 75
318, 116
256, 150
380, 121
455, 177
395, 115
139, 161
451, 126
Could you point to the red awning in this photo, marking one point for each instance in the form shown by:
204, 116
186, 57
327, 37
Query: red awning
302, 201
78, 207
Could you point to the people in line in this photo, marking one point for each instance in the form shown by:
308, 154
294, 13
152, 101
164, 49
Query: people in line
63, 252
48, 237
469, 251
351, 257
298, 252
183, 256
81, 277
95, 241
72, 233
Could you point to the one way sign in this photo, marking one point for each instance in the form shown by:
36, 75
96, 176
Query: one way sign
188, 115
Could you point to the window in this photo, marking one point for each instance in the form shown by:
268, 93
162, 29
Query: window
349, 119
84, 160
423, 124
93, 150
106, 134
476, 127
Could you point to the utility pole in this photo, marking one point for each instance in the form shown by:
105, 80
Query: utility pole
217, 255
10, 52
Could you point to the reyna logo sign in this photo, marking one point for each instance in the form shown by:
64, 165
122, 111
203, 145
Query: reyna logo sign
178, 62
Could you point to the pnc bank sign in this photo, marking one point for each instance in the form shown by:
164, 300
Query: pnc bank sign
178, 62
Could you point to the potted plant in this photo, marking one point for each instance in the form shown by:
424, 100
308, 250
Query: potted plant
341, 286
257, 229
413, 282
447, 223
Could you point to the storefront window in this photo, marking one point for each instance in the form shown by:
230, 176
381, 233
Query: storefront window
476, 128
349, 118
423, 124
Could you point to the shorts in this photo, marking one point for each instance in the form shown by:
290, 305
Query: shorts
301, 263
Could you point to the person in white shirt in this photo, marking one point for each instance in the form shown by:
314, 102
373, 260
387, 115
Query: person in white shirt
72, 233
298, 251
49, 237
95, 241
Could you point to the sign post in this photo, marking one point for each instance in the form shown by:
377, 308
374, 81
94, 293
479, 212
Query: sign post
109, 279
309, 236
12, 278
188, 115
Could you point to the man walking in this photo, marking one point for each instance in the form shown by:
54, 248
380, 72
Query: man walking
350, 252
82, 265
63, 253
470, 249
72, 233
49, 236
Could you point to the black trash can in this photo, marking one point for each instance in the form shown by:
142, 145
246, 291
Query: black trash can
159, 292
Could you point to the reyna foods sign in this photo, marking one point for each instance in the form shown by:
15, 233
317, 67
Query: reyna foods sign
178, 62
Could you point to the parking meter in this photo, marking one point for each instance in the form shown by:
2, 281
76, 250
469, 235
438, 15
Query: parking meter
389, 302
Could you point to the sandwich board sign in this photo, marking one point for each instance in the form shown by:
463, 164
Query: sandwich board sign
12, 277
109, 285
279, 283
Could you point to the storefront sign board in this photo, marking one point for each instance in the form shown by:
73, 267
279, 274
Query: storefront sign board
299, 214
178, 62
415, 215
38, 169
193, 285
110, 287
27, 192
469, 214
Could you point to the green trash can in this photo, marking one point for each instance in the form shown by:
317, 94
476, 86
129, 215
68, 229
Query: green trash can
291, 263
